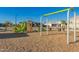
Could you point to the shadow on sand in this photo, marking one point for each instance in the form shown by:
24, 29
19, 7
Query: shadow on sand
53, 34
74, 42
12, 35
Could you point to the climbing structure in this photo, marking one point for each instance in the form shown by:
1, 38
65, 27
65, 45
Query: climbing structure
68, 19
21, 27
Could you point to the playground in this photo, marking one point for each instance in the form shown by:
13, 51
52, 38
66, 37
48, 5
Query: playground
29, 36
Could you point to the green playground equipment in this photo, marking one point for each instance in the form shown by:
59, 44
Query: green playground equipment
21, 27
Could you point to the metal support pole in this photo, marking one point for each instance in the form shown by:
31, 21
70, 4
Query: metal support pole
75, 28
68, 27
40, 25
47, 25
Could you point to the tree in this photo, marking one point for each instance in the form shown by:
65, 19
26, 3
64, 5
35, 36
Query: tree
63, 25
7, 24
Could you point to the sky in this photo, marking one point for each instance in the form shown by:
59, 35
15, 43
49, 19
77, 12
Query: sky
32, 13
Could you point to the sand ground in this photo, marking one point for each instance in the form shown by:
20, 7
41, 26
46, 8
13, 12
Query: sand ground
54, 42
